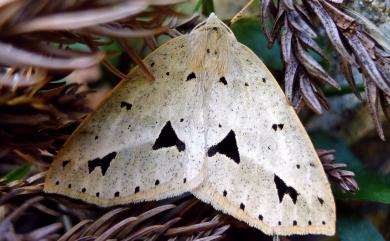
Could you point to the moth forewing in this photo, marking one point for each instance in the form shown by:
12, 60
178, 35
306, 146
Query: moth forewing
145, 142
262, 166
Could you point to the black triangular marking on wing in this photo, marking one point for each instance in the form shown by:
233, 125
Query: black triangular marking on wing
223, 80
126, 105
284, 189
64, 163
191, 76
228, 147
103, 163
168, 138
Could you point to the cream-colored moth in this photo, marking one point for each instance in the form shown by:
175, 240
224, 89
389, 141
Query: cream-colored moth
214, 122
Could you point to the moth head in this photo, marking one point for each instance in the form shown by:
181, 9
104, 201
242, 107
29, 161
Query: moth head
211, 44
213, 25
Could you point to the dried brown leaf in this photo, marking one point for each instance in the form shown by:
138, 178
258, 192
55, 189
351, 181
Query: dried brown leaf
367, 63
115, 229
290, 76
347, 70
76, 228
80, 19
191, 228
286, 42
44, 232
265, 18
277, 25
313, 68
17, 57
309, 43
102, 221
144, 216
372, 99
342, 19
309, 94
331, 30
121, 32
300, 25
385, 103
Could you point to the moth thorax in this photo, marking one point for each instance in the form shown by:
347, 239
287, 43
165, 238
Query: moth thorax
210, 50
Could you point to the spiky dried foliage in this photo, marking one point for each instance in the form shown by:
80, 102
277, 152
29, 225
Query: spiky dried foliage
39, 33
34, 118
178, 219
35, 40
344, 179
356, 48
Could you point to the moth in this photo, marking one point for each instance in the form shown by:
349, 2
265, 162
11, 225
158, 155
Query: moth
214, 122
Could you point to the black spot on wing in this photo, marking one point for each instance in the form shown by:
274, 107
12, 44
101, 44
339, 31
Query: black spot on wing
228, 147
223, 80
242, 206
168, 138
64, 163
277, 126
126, 105
321, 200
284, 189
103, 163
191, 76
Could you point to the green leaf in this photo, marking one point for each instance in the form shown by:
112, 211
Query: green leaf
373, 186
345, 89
207, 7
249, 32
357, 228
17, 173
198, 4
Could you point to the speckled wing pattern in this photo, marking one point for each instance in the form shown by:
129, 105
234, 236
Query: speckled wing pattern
145, 142
214, 122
